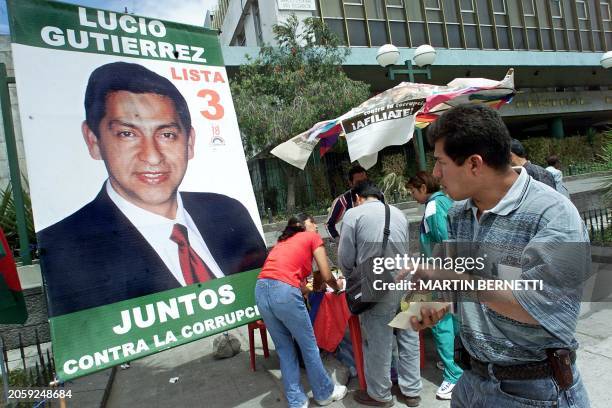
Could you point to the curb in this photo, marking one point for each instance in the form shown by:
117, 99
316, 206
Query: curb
109, 386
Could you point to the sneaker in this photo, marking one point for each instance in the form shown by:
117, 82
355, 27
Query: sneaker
305, 405
338, 393
445, 392
440, 365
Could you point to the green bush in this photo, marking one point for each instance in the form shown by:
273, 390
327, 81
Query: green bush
571, 150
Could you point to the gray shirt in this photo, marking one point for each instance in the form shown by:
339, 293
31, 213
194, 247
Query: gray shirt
538, 234
361, 234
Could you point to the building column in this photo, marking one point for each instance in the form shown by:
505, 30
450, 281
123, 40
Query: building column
556, 128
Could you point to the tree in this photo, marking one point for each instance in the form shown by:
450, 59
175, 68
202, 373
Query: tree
289, 88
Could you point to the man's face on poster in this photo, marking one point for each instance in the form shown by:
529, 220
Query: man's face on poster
145, 149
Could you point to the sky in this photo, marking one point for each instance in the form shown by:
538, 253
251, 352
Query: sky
182, 11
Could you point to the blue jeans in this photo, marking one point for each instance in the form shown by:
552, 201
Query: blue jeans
377, 338
283, 311
474, 391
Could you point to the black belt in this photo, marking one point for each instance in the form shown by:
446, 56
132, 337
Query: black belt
528, 371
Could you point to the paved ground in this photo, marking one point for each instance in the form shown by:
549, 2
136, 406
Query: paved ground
205, 382
579, 184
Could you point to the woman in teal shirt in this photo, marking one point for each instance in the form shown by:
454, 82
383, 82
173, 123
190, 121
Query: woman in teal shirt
425, 189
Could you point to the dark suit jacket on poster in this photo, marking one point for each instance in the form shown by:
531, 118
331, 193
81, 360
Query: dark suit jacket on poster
96, 256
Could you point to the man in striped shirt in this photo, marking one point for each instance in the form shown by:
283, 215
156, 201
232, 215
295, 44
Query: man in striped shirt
344, 201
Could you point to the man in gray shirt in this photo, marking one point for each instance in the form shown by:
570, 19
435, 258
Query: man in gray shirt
361, 237
521, 342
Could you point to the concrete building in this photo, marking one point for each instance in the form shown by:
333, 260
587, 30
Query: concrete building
555, 47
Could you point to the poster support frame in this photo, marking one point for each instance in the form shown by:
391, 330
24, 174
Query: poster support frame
14, 171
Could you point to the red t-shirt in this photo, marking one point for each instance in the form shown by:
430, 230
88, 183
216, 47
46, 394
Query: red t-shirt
290, 261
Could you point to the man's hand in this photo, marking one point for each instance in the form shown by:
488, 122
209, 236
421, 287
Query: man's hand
429, 317
341, 283
404, 274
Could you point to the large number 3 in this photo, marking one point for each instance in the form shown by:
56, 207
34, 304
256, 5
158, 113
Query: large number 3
215, 110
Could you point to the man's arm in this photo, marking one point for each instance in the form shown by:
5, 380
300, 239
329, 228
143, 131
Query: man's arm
501, 301
337, 211
347, 254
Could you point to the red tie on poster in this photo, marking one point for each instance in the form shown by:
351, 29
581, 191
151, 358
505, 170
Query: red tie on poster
193, 267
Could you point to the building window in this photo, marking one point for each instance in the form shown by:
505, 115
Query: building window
432, 4
499, 6
398, 34
605, 11
395, 10
417, 33
582, 10
353, 2
357, 33
518, 36
556, 8
436, 33
257, 23
584, 39
378, 33
503, 38
532, 38
395, 3
454, 36
529, 8
560, 40
467, 6
337, 27
471, 36
375, 10
546, 39
486, 33
597, 40
240, 38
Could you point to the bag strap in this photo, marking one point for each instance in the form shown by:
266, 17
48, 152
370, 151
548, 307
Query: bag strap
386, 230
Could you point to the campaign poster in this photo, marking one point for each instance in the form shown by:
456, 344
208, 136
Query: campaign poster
147, 224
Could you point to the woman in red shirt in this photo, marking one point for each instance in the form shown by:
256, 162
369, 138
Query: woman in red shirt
279, 299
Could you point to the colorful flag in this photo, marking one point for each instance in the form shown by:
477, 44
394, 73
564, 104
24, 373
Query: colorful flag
12, 303
390, 117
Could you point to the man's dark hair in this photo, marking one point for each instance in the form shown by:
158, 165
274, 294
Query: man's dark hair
123, 76
355, 170
366, 189
517, 148
472, 129
553, 160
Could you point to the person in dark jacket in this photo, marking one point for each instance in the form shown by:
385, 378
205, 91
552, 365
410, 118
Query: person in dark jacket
518, 157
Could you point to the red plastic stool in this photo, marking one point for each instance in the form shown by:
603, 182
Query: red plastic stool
259, 324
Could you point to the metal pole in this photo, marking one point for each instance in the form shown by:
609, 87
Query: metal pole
419, 134
4, 373
421, 149
11, 149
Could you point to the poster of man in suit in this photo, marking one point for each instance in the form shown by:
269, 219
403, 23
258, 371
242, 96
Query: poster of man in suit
139, 235
147, 225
